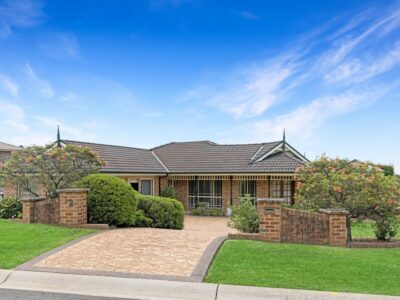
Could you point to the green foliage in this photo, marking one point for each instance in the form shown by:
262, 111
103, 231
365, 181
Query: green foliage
360, 188
10, 208
245, 217
110, 200
163, 212
169, 192
388, 170
203, 210
20, 242
386, 228
280, 265
49, 168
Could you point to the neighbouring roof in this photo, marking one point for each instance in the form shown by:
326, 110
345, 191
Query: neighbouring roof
199, 157
124, 159
8, 147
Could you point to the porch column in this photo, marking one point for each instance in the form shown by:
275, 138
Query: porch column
231, 190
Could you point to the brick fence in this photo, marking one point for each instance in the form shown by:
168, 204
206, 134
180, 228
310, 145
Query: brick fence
281, 224
68, 209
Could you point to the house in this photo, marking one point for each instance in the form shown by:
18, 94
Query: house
5, 152
204, 171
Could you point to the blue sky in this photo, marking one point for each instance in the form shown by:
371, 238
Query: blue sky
143, 73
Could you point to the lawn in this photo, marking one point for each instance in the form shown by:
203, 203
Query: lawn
373, 271
364, 230
19, 242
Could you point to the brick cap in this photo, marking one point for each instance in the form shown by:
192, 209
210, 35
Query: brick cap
334, 211
33, 199
73, 190
271, 200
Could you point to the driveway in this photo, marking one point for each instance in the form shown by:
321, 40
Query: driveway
141, 251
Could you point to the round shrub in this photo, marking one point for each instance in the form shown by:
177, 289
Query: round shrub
163, 212
169, 192
10, 208
110, 200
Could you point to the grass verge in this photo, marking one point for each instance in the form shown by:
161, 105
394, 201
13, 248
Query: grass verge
372, 271
20, 242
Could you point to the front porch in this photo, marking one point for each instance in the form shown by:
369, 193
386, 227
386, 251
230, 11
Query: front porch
222, 191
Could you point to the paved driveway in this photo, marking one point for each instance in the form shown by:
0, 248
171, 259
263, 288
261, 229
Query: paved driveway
142, 250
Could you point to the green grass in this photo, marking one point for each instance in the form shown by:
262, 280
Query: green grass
373, 271
364, 230
19, 242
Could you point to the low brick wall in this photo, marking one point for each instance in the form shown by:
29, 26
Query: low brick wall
244, 236
279, 224
69, 208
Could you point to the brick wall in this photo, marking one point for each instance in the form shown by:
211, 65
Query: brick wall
304, 227
226, 194
10, 190
181, 187
270, 220
69, 208
279, 224
262, 188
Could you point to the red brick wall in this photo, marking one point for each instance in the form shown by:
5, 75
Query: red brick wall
270, 220
70, 208
73, 206
262, 189
181, 187
288, 225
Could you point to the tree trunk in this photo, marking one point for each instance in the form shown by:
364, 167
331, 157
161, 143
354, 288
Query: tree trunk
348, 226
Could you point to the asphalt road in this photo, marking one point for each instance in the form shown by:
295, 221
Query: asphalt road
6, 294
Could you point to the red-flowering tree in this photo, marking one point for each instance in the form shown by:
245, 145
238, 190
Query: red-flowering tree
360, 188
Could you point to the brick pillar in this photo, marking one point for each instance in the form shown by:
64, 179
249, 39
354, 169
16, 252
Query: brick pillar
337, 226
262, 189
28, 209
226, 194
73, 206
269, 212
163, 182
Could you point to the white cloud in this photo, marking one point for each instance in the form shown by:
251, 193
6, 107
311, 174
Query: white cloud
60, 45
248, 15
67, 131
12, 118
43, 86
9, 84
302, 121
19, 14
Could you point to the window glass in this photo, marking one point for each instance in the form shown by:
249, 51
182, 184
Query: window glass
205, 191
248, 187
146, 187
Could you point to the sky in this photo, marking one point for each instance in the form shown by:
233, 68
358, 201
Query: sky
143, 73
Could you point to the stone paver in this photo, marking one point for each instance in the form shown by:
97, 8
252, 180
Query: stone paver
142, 250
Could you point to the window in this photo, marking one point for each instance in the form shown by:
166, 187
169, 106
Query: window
146, 187
208, 191
248, 187
281, 189
276, 189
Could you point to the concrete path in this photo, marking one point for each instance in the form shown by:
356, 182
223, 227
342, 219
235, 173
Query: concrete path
150, 289
141, 252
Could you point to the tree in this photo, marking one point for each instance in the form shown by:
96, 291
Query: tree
42, 170
360, 188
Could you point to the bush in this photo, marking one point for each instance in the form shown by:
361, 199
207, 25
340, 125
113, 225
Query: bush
110, 200
162, 212
169, 192
203, 210
245, 217
10, 208
386, 228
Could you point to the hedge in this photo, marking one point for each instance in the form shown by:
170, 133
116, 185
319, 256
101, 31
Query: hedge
110, 200
162, 212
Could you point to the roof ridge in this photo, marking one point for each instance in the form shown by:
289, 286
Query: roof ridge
244, 144
186, 142
101, 144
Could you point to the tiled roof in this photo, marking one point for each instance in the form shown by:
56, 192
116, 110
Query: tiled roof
195, 157
8, 147
124, 159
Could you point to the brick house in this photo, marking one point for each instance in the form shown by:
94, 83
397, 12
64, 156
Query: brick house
203, 171
5, 152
